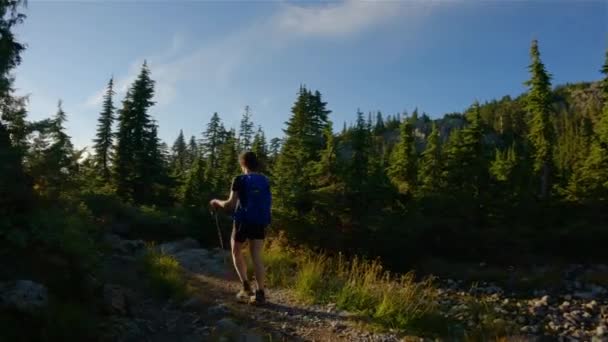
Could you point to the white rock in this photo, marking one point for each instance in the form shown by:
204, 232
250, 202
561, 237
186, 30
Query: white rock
600, 331
177, 246
24, 296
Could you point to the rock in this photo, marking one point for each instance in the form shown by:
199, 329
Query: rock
194, 260
218, 310
178, 246
24, 296
226, 324
121, 229
250, 337
601, 331
121, 246
568, 297
193, 304
120, 329
591, 305
115, 300
337, 326
584, 295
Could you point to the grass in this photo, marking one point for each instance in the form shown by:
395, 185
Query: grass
357, 285
165, 274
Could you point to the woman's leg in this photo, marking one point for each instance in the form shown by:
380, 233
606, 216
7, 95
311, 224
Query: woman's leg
237, 258
255, 247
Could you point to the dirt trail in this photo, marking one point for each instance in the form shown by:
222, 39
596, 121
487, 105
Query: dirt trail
212, 313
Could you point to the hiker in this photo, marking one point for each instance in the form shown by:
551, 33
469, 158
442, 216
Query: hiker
251, 199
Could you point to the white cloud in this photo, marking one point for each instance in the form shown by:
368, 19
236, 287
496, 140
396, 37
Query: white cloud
335, 19
218, 61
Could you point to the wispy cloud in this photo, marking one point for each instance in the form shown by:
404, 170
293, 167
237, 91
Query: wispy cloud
218, 61
336, 19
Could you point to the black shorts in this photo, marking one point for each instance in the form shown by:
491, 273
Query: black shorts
244, 231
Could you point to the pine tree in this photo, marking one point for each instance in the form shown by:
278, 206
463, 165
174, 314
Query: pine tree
402, 167
260, 148
228, 165
504, 164
590, 179
465, 169
194, 188
538, 102
429, 173
327, 167
193, 151
138, 162
302, 143
379, 127
104, 137
360, 140
246, 131
210, 146
179, 156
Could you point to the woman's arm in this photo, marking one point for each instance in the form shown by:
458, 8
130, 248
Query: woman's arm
230, 203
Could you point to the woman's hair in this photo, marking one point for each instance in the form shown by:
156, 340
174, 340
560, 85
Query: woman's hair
249, 160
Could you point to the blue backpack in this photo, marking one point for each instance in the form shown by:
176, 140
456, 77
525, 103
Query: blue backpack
258, 200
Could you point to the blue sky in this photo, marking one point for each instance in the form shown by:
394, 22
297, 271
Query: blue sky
210, 56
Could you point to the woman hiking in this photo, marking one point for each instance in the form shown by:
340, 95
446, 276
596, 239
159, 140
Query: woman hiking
251, 200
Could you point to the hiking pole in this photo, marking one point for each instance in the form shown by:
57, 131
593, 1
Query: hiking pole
217, 225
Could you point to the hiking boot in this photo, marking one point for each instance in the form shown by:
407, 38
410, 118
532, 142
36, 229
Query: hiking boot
259, 298
245, 293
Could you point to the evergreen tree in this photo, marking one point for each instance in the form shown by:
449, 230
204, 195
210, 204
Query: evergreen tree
429, 173
465, 170
210, 145
194, 188
504, 164
302, 143
590, 179
193, 151
104, 137
359, 167
402, 167
228, 164
538, 102
138, 162
327, 167
260, 148
379, 127
246, 133
179, 156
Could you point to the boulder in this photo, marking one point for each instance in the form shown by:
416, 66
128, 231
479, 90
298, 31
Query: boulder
121, 246
115, 300
194, 260
177, 246
226, 324
24, 296
121, 229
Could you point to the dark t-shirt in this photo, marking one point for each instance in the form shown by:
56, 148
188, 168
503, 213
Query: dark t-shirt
238, 185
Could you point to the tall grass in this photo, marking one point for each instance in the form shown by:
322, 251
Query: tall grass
359, 285
164, 274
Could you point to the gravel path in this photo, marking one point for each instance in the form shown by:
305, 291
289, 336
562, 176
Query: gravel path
578, 313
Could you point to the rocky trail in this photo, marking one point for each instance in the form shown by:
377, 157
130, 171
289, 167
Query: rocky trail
212, 313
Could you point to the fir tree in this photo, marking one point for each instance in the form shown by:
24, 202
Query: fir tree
538, 102
402, 168
504, 164
260, 148
429, 173
379, 127
359, 164
228, 166
104, 137
193, 151
327, 167
138, 161
179, 156
194, 188
246, 133
210, 146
